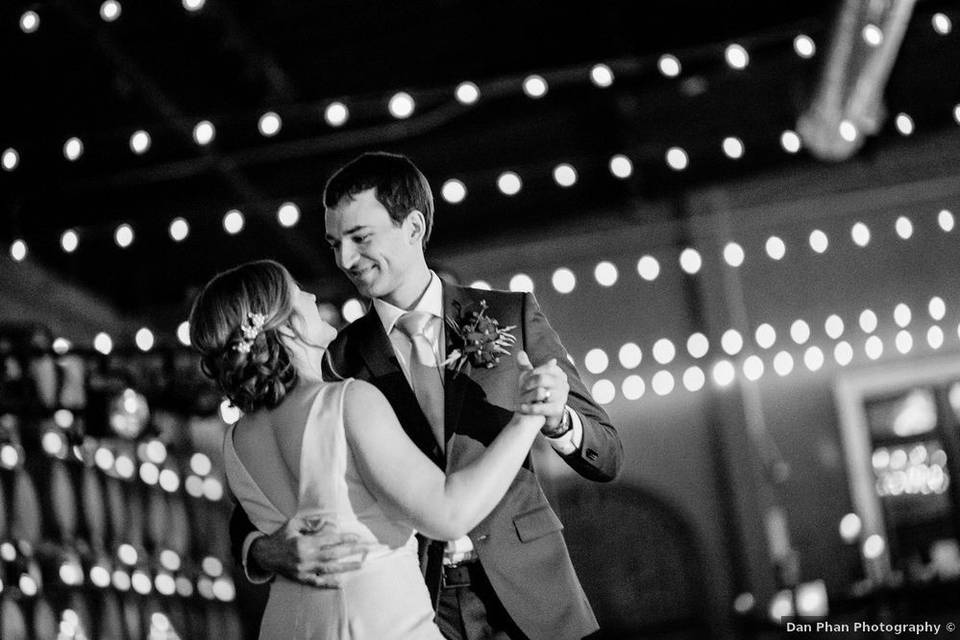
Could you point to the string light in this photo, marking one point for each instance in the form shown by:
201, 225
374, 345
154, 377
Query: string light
10, 159
662, 383
904, 124
804, 46
690, 261
565, 175
233, 222
872, 35
69, 240
480, 284
73, 149
800, 331
596, 361
269, 124
819, 241
873, 347
144, 339
630, 355
868, 321
648, 268
18, 250
813, 358
521, 283
904, 227
753, 368
697, 345
467, 93
904, 342
288, 214
693, 378
736, 56
601, 75
563, 280
603, 391
677, 158
110, 10
775, 248
902, 315
945, 220
401, 105
633, 387
621, 166
193, 5
605, 273
509, 183
731, 342
765, 336
123, 236
352, 310
29, 21
941, 23
336, 114
103, 343
669, 65
723, 373
179, 229
833, 326
535, 86
860, 234
935, 337
843, 353
783, 363
937, 308
140, 142
733, 254
663, 351
204, 132
453, 191
848, 130
790, 141
733, 147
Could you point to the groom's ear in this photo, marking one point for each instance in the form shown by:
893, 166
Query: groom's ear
416, 226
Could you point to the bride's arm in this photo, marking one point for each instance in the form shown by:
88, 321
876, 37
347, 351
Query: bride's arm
396, 471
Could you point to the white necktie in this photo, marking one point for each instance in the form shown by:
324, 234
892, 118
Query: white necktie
425, 377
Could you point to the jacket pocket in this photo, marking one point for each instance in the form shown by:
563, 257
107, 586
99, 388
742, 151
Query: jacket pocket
537, 523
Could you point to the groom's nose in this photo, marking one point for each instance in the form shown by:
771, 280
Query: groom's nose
348, 256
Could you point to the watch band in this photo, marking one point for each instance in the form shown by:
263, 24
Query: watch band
566, 424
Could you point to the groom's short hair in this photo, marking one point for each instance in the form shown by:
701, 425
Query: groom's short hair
399, 186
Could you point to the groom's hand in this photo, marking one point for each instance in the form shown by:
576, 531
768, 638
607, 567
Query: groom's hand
316, 558
544, 392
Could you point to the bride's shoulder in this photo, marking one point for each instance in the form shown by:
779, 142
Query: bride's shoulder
362, 400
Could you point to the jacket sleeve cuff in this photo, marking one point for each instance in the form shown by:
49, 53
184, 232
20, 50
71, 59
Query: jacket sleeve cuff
254, 577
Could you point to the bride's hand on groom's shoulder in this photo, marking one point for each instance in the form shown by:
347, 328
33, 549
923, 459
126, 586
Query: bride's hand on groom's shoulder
315, 556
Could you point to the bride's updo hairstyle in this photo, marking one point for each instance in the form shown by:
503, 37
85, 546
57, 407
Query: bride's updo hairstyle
234, 325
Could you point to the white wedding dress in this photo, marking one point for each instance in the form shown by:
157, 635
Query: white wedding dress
387, 597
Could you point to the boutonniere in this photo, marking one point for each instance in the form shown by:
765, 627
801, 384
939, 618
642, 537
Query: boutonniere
477, 339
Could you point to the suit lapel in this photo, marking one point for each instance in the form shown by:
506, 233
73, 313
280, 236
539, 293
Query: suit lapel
385, 373
455, 385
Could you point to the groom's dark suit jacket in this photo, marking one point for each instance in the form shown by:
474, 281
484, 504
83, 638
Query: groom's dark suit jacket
519, 544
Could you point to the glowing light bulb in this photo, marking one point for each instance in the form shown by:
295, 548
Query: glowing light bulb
790, 141
819, 241
736, 56
669, 65
564, 280
733, 254
535, 86
565, 175
401, 105
453, 191
288, 214
601, 75
804, 46
621, 166
467, 93
605, 273
690, 261
776, 248
336, 114
521, 282
648, 267
677, 158
509, 183
733, 147
204, 132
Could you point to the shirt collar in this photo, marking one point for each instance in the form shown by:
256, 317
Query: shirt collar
431, 301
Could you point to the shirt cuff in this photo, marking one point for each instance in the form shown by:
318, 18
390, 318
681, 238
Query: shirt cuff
255, 578
570, 441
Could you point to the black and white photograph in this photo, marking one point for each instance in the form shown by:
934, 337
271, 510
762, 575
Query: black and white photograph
447, 320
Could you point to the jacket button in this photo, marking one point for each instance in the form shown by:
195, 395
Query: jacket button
592, 455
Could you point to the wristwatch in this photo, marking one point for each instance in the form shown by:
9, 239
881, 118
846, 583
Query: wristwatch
561, 429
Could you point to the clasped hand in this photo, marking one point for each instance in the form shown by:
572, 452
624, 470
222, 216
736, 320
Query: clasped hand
543, 390
311, 555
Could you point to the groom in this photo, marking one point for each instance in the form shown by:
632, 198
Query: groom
511, 577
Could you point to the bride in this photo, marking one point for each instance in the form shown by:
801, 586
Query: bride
332, 455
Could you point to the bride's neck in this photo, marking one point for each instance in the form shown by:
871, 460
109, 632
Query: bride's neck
307, 360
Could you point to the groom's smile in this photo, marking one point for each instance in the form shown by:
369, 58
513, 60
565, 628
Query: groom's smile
370, 247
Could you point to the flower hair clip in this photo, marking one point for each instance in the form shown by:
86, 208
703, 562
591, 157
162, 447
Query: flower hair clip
250, 329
